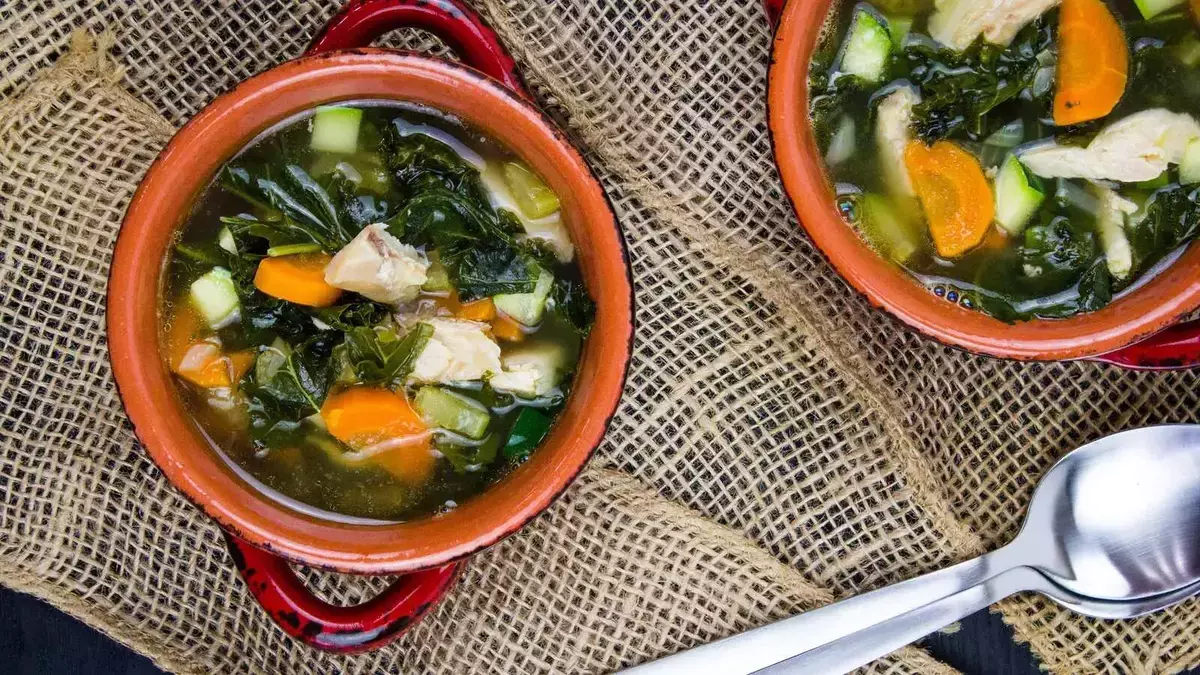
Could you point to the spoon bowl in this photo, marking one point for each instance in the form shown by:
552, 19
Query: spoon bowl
1119, 518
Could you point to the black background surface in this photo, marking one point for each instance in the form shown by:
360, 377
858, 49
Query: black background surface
36, 639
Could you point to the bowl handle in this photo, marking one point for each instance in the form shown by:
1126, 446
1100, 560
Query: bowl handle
1175, 348
319, 624
361, 22
774, 11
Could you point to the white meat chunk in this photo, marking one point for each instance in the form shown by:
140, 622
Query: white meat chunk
893, 131
458, 351
957, 23
376, 265
1110, 226
1136, 148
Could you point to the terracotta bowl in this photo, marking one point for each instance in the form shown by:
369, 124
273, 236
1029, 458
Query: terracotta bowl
494, 105
1133, 317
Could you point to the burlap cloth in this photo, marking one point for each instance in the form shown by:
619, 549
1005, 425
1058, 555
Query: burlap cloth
779, 444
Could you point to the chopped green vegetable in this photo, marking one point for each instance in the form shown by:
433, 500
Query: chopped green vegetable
335, 129
292, 249
868, 46
527, 308
533, 196
379, 356
892, 233
215, 296
453, 411
527, 432
437, 279
1018, 196
1152, 8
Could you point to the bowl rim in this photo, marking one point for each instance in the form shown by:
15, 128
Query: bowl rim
1129, 318
165, 198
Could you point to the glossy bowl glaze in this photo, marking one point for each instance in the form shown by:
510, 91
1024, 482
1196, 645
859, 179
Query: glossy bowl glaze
159, 209
1138, 314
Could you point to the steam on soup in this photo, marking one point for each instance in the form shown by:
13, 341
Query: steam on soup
1029, 158
374, 311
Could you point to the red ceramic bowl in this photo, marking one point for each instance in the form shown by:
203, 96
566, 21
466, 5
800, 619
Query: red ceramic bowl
264, 532
1135, 316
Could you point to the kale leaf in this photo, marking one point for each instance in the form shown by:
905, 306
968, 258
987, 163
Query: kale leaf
307, 210
490, 268
379, 357
288, 384
1172, 219
574, 305
958, 90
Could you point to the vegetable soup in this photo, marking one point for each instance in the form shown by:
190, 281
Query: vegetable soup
374, 311
1027, 158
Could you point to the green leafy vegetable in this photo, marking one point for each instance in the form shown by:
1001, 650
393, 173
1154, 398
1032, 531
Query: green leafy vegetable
1172, 219
287, 385
379, 357
309, 211
958, 90
574, 305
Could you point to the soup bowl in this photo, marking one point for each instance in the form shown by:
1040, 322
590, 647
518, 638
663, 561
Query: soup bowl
265, 535
1126, 332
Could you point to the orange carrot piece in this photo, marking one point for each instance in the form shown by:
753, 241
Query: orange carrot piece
1093, 62
954, 193
505, 328
1196, 11
478, 310
366, 416
297, 278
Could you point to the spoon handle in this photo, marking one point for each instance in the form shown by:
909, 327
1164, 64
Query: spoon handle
759, 648
858, 649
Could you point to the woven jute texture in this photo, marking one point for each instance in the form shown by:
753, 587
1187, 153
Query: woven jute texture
779, 444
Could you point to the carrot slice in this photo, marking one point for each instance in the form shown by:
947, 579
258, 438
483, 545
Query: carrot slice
478, 310
297, 278
1196, 11
954, 193
505, 328
362, 417
1093, 62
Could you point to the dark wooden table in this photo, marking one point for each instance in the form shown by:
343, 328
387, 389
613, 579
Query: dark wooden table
36, 639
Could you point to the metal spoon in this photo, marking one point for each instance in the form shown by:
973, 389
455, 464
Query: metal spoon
1113, 531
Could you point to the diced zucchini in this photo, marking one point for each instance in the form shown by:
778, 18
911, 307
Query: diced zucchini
215, 297
527, 308
534, 197
868, 47
335, 129
437, 279
899, 27
1189, 168
886, 229
1152, 8
226, 241
1018, 196
453, 411
527, 432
